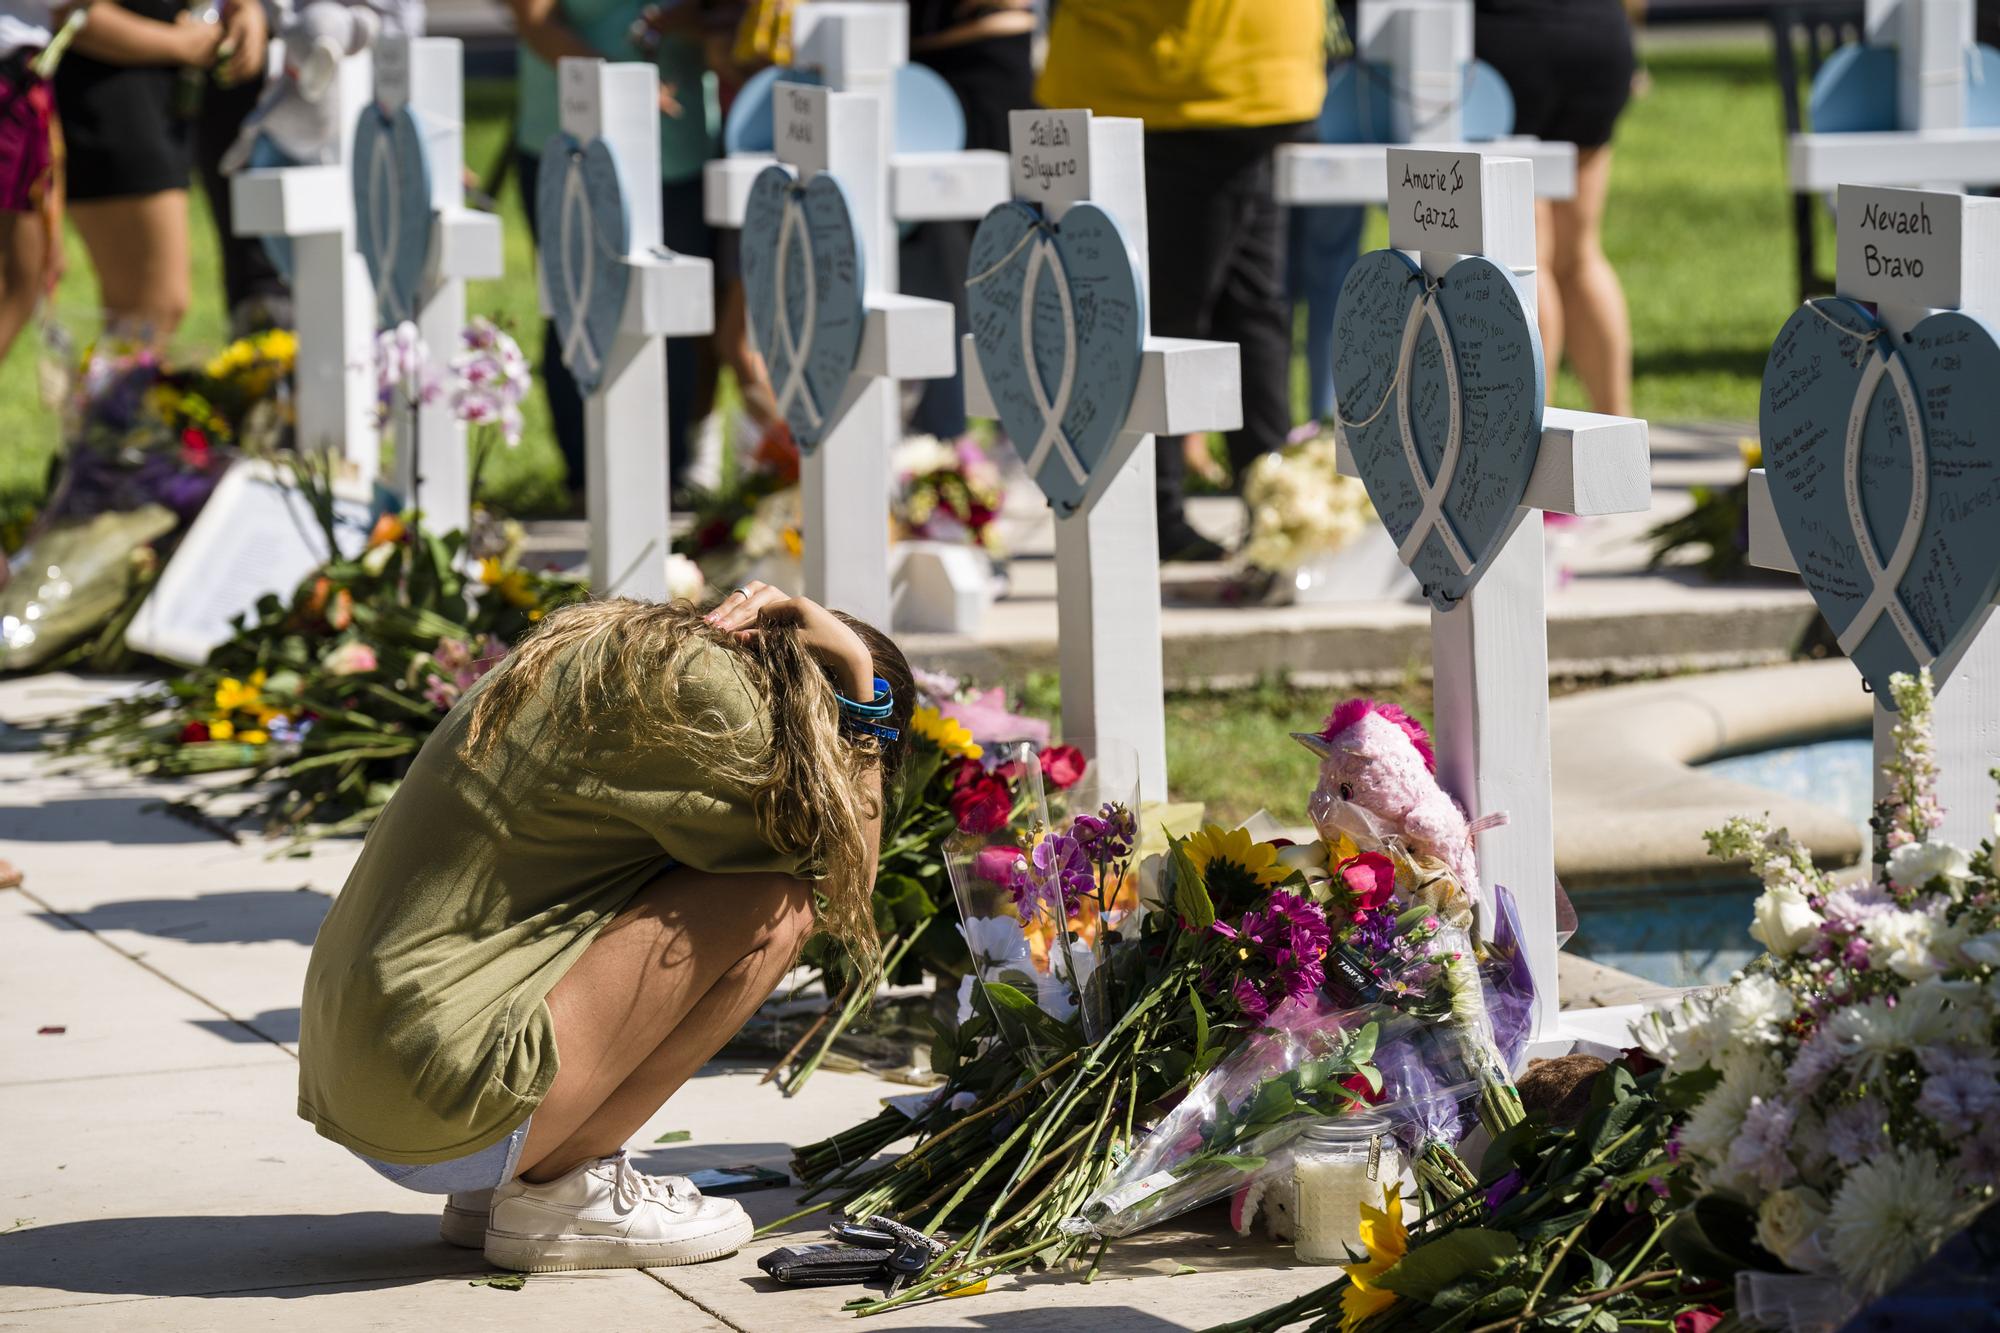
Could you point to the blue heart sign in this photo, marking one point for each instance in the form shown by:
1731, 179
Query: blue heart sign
1439, 387
584, 233
803, 282
392, 208
1058, 321
1885, 481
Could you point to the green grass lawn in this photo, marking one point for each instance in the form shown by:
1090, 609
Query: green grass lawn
1698, 227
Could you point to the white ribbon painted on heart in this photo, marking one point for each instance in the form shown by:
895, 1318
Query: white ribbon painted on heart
385, 198
1884, 595
577, 353
1052, 438
1433, 489
795, 348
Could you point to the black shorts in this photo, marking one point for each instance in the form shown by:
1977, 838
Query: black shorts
1569, 64
123, 132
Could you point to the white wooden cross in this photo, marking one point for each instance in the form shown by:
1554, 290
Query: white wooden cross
844, 481
1932, 146
1952, 262
858, 47
669, 295
333, 381
1427, 47
1108, 554
426, 74
1489, 653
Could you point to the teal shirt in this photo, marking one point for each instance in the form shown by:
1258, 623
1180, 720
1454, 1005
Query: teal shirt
686, 140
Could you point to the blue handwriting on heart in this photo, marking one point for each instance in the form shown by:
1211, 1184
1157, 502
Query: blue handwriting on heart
1440, 400
1882, 470
585, 234
803, 281
1059, 324
392, 208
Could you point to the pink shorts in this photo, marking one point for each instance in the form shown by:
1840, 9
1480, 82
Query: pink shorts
27, 146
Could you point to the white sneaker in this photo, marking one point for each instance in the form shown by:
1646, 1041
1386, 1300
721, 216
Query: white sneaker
464, 1220
607, 1214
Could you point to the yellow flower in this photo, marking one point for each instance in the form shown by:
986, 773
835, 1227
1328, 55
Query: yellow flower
1382, 1232
1232, 864
233, 694
795, 544
511, 584
220, 729
1752, 451
947, 733
255, 736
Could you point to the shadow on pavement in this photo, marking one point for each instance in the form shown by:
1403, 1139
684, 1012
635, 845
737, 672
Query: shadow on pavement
119, 820
230, 1256
271, 1025
238, 916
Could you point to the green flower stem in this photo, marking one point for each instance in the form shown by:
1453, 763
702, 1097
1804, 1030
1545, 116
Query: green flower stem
1556, 1260
943, 1283
788, 1219
1578, 1303
858, 999
1659, 1230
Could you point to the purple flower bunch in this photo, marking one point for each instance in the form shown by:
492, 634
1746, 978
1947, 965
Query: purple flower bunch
1059, 873
489, 378
1287, 939
1107, 836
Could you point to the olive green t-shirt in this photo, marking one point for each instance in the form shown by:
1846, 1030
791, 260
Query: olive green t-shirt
423, 1035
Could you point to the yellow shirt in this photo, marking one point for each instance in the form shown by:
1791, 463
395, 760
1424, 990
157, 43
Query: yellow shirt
423, 1035
1188, 64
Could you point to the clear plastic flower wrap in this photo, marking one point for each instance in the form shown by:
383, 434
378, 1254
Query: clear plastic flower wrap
1312, 1062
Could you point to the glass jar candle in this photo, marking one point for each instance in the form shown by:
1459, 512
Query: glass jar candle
1338, 1165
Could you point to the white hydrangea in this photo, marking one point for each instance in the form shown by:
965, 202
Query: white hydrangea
1301, 508
1890, 1214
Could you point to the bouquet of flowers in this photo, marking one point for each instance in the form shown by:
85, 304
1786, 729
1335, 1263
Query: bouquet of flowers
145, 440
326, 695
1265, 975
946, 492
1718, 526
1301, 508
1845, 1089
752, 516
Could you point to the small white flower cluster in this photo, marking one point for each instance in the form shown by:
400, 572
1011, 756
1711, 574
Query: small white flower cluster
1849, 1080
1301, 507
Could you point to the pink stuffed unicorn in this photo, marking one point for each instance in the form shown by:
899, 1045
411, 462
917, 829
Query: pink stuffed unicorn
1378, 772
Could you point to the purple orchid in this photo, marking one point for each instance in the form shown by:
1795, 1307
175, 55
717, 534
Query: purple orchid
1108, 835
1061, 872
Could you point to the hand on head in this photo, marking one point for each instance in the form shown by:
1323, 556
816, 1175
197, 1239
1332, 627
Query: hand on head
754, 606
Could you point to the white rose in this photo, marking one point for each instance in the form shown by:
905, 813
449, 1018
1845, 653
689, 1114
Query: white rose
1785, 921
1788, 1223
1916, 864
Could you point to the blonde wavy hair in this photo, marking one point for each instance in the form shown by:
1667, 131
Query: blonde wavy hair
611, 668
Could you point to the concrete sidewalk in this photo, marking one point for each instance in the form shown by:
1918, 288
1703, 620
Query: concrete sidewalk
157, 1177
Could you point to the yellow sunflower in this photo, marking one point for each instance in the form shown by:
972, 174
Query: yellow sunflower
1235, 867
1383, 1233
947, 733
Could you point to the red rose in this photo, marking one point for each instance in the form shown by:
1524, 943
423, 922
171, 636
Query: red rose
194, 448
1358, 1085
1697, 1321
1370, 877
194, 732
996, 864
1063, 766
982, 806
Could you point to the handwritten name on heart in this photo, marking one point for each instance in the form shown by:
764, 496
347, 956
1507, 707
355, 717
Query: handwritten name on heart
1059, 325
803, 282
1440, 401
584, 235
392, 208
1890, 506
